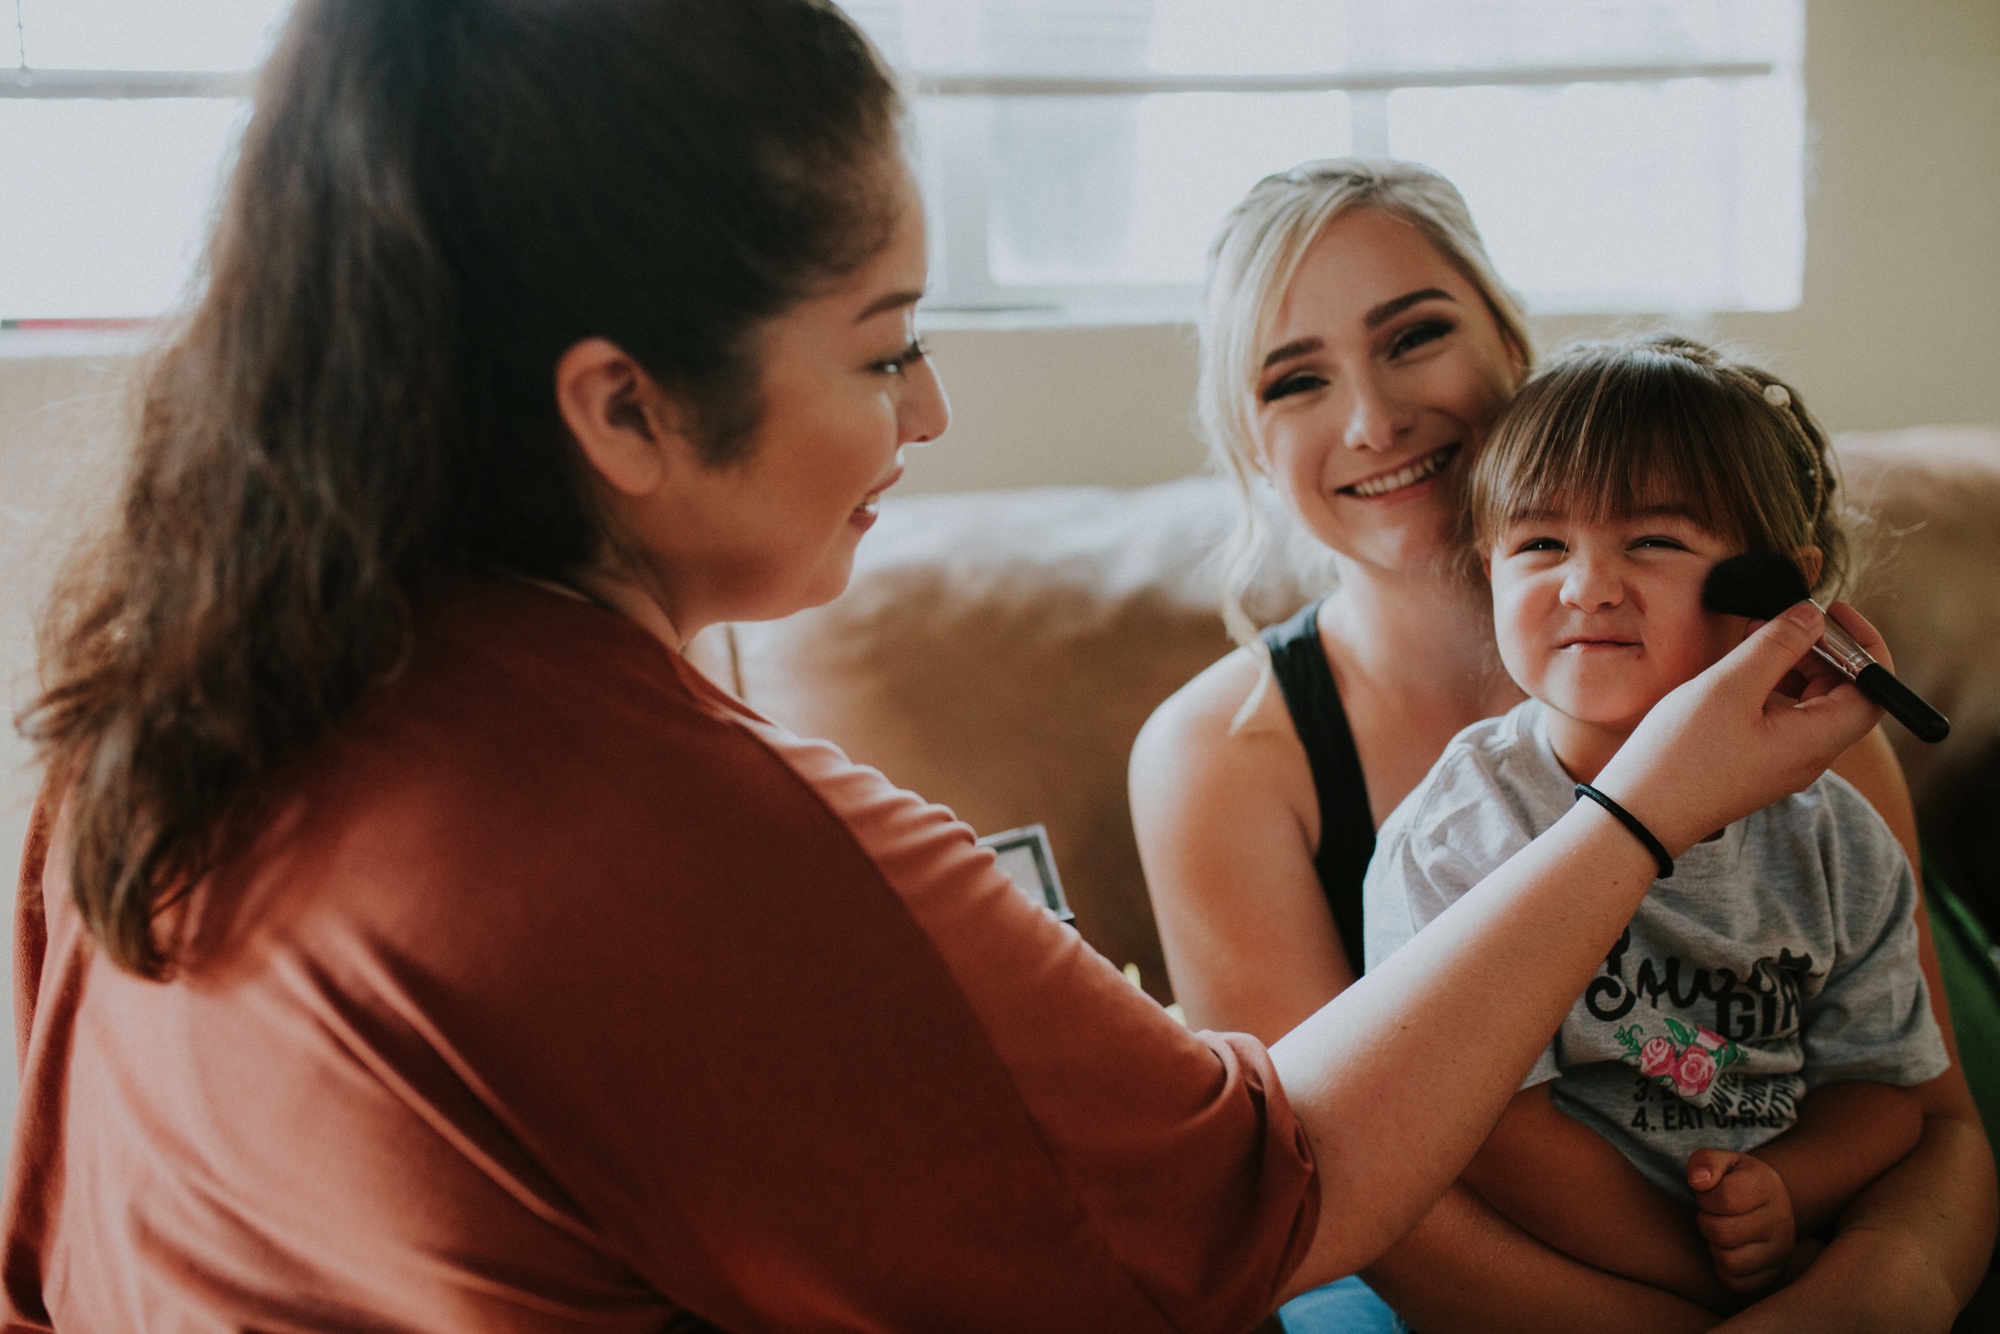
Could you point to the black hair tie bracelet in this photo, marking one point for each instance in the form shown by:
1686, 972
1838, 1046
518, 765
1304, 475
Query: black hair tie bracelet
1631, 822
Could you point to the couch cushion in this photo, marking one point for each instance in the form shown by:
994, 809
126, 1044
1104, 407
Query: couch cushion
1931, 581
1928, 576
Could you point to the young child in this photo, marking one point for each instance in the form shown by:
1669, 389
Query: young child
1739, 1068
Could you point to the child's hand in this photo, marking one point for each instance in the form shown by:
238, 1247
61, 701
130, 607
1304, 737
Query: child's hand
1745, 1213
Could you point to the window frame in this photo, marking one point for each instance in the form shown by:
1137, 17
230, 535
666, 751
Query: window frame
957, 106
956, 167
92, 334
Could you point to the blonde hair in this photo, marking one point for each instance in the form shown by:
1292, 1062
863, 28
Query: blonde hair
1250, 269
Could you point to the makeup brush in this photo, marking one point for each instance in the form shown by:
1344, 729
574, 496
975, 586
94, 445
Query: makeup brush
1760, 584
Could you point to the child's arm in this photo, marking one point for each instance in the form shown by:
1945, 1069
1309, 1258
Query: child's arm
1845, 1137
1559, 1180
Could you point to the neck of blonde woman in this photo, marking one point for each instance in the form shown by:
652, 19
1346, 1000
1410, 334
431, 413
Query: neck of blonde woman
1428, 626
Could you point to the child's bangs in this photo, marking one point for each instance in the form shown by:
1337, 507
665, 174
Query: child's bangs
1606, 442
1600, 477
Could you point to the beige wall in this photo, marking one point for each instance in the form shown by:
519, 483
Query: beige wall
1900, 326
56, 462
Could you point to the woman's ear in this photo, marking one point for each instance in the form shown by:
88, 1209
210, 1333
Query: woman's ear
1809, 559
625, 424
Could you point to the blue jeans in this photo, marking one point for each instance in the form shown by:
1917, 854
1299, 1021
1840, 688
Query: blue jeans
1346, 1307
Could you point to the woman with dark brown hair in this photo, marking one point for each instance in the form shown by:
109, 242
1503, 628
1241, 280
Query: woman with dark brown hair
411, 939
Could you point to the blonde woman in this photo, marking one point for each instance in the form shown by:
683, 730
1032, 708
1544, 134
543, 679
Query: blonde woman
1355, 344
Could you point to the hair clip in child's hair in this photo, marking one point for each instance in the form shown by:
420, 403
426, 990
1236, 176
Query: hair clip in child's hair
1777, 396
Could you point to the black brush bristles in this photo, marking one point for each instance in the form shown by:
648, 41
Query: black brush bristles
1757, 584
1761, 584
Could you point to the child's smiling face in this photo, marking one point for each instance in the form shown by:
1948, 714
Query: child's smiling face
1599, 618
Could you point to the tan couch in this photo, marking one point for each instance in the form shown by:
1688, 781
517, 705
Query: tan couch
998, 651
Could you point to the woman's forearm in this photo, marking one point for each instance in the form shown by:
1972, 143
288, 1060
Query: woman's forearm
1941, 1198
1940, 1202
1846, 1136
1866, 1281
1910, 1251
1498, 1280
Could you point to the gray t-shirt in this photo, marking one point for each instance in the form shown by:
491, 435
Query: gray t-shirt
1779, 957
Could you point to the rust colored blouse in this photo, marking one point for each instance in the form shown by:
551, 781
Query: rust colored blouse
560, 991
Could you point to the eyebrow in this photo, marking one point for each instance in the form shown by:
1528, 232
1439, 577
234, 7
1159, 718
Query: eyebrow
1374, 319
889, 302
1395, 306
1298, 347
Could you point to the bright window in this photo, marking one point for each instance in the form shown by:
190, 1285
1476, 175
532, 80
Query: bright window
1619, 155
117, 118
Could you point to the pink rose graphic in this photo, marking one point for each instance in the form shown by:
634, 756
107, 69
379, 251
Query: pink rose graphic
1695, 1072
1657, 1057
1712, 1040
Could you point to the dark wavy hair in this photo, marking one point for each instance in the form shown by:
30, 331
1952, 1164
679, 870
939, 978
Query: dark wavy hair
433, 200
1605, 429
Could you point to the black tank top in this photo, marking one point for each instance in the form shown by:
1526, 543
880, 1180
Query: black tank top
1346, 828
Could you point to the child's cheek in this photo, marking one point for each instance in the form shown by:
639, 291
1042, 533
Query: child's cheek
1717, 635
1519, 630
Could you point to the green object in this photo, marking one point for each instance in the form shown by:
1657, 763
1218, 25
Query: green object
1972, 985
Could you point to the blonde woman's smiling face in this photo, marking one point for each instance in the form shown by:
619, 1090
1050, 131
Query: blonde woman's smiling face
1376, 385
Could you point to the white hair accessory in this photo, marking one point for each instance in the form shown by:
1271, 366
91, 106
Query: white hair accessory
1777, 396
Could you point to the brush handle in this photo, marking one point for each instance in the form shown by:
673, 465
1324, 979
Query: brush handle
1905, 704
